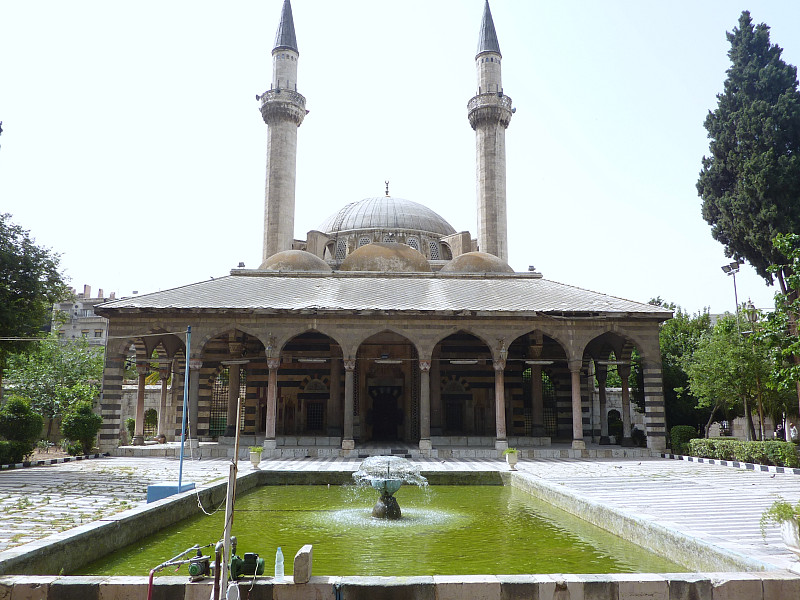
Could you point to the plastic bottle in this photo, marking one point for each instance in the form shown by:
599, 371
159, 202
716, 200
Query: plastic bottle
279, 565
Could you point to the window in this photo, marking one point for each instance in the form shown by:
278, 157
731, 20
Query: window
98, 333
363, 241
85, 333
341, 249
434, 250
414, 243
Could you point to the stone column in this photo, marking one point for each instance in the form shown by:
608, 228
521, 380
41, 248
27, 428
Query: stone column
436, 397
163, 418
501, 442
348, 443
578, 442
195, 364
235, 351
425, 405
138, 435
624, 374
272, 403
537, 401
602, 378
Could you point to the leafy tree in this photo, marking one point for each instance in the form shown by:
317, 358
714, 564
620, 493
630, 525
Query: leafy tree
30, 283
56, 373
750, 182
21, 427
82, 424
678, 338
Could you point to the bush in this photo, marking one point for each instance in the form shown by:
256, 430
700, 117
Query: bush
638, 437
18, 422
130, 425
770, 452
81, 424
13, 452
680, 436
75, 449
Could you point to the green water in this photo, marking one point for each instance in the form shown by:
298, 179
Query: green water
446, 530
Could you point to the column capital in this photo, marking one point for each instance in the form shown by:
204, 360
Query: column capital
142, 368
349, 364
195, 364
273, 363
424, 366
499, 365
575, 366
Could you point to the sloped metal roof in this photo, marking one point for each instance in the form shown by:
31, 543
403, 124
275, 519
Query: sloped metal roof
487, 38
285, 37
249, 290
386, 212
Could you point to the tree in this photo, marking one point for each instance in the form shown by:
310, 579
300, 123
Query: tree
30, 283
57, 373
678, 338
21, 426
750, 182
81, 424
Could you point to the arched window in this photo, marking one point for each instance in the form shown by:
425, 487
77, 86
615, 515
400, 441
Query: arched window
413, 242
363, 241
434, 250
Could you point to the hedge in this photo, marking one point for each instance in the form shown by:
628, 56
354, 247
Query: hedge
770, 452
12, 453
680, 436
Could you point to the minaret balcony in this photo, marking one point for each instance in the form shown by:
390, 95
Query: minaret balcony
491, 107
283, 104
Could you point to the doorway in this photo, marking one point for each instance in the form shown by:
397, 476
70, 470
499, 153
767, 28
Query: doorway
387, 415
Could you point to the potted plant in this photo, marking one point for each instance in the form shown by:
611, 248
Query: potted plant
511, 454
255, 455
787, 516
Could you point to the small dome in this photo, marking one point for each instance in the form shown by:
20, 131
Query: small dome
384, 213
476, 262
386, 258
295, 260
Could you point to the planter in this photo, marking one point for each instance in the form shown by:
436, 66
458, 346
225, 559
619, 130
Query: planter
255, 458
511, 459
790, 532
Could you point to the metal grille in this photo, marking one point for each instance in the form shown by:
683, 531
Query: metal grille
549, 401
413, 243
219, 404
315, 412
341, 249
363, 241
415, 383
434, 250
242, 394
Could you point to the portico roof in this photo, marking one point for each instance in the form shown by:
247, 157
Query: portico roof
248, 290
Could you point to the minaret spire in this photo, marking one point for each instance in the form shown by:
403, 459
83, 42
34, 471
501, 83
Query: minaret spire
283, 110
285, 38
489, 114
487, 39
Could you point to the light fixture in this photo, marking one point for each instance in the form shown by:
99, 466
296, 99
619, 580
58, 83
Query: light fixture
239, 361
611, 363
464, 361
388, 361
731, 268
312, 359
538, 361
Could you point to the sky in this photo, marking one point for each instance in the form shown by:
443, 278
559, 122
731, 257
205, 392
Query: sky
133, 145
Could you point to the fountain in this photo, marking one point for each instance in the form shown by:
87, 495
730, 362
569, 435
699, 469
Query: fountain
387, 474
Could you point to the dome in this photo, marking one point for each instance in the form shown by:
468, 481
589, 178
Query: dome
386, 258
386, 212
295, 260
476, 262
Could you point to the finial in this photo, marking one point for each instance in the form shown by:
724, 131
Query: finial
387, 187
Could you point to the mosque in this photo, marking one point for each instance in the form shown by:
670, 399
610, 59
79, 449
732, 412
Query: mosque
385, 328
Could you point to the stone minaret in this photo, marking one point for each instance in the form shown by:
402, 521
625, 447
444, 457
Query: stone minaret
489, 114
283, 110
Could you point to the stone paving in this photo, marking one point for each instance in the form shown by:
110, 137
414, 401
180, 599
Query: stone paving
718, 504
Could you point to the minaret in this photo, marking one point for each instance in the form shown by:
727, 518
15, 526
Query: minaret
489, 114
283, 110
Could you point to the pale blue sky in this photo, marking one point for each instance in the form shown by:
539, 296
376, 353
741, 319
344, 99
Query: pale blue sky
133, 143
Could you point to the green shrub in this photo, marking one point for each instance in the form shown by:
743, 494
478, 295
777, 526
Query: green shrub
13, 452
680, 436
638, 437
130, 425
150, 418
81, 424
770, 452
75, 449
18, 422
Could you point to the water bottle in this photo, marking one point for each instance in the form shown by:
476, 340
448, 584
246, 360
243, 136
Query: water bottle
279, 565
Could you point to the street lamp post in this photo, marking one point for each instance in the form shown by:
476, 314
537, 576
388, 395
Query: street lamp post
732, 269
752, 315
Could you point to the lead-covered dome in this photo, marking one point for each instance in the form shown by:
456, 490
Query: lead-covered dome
384, 213
477, 262
296, 260
386, 258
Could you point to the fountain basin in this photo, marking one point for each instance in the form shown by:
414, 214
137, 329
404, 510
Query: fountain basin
387, 487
